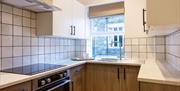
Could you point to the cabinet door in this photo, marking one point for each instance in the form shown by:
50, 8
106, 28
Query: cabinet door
131, 74
26, 86
122, 79
89, 77
157, 87
78, 78
79, 19
102, 78
62, 20
163, 12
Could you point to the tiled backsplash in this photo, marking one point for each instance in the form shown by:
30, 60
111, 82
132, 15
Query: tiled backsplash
173, 49
20, 45
145, 48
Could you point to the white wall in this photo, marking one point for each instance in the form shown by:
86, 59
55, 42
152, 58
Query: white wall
134, 18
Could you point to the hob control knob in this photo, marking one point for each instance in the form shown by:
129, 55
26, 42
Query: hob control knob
43, 82
48, 80
65, 74
61, 75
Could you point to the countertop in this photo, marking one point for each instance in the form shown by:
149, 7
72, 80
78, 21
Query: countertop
9, 79
149, 72
159, 72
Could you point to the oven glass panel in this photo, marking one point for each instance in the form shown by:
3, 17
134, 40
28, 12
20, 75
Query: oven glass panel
63, 88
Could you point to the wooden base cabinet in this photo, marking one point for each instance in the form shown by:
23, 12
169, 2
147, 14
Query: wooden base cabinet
157, 87
102, 78
131, 74
111, 78
77, 75
26, 86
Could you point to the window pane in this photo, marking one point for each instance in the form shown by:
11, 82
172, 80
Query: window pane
108, 43
98, 24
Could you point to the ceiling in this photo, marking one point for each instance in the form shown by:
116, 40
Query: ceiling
97, 2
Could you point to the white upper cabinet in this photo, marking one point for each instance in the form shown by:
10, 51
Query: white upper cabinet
79, 20
69, 22
163, 12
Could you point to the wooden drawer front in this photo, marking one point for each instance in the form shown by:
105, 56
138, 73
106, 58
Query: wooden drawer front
26, 86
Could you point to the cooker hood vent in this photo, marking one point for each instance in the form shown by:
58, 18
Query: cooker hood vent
33, 5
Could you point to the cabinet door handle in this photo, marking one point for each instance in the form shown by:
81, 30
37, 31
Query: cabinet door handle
118, 73
74, 28
144, 22
124, 73
71, 30
72, 85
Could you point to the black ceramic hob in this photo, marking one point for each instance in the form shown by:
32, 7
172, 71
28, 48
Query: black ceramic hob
32, 69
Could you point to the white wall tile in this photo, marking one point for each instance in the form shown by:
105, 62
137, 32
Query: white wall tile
33, 15
6, 40
135, 48
6, 18
135, 41
17, 62
6, 29
160, 56
26, 41
151, 49
17, 11
17, 41
26, 51
151, 56
26, 13
150, 41
159, 40
143, 48
135, 56
26, 22
142, 41
17, 51
26, 60
6, 51
17, 20
160, 48
127, 42
142, 56
17, 30
6, 63
6, 8
34, 50
26, 31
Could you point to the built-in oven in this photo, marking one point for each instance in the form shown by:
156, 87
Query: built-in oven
56, 82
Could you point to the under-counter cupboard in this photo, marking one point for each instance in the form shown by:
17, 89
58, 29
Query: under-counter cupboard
25, 86
111, 78
68, 22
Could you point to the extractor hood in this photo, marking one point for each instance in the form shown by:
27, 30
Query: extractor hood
33, 5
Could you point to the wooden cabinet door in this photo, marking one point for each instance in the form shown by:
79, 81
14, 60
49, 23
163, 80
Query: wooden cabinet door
89, 77
26, 86
131, 74
102, 78
163, 12
78, 78
157, 87
122, 79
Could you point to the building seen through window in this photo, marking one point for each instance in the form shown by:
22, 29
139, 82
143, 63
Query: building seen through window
107, 36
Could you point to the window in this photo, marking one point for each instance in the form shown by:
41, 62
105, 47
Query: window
107, 36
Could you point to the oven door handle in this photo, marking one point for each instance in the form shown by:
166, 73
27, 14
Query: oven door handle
51, 89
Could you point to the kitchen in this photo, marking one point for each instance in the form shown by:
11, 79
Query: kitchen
89, 45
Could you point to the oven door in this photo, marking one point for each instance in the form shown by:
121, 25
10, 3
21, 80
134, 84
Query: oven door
57, 86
